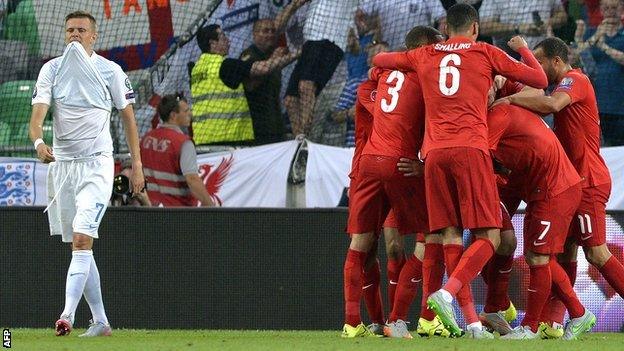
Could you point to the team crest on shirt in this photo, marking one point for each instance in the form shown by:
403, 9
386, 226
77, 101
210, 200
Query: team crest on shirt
373, 95
566, 83
213, 179
17, 183
128, 85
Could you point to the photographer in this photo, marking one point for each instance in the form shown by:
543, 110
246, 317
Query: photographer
122, 189
170, 160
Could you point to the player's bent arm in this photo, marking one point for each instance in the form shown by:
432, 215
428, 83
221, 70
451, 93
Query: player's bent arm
393, 60
132, 138
530, 73
198, 189
542, 104
35, 130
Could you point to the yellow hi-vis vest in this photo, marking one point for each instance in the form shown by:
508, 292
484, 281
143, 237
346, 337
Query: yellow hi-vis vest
220, 114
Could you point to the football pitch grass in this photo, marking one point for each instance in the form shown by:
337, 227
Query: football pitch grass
44, 339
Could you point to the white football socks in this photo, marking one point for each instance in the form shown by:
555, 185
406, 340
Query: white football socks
77, 275
93, 294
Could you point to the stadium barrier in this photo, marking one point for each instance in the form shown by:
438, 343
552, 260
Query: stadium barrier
221, 269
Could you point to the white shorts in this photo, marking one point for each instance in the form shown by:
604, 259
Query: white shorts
84, 189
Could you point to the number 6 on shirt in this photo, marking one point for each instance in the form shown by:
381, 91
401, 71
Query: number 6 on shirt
393, 91
445, 70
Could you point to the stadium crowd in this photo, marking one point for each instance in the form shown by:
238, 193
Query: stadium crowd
318, 100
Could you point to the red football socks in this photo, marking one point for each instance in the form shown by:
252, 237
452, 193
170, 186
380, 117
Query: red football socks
471, 262
554, 310
394, 270
613, 272
433, 273
354, 264
410, 277
499, 273
372, 293
539, 289
452, 257
563, 289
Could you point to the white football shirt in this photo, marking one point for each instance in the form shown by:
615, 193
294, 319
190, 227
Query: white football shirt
81, 108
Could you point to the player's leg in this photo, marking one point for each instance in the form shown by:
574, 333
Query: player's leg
366, 208
371, 291
395, 252
480, 211
91, 204
433, 272
498, 310
444, 217
408, 281
551, 326
591, 218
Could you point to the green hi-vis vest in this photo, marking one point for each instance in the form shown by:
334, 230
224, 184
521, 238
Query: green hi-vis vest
220, 114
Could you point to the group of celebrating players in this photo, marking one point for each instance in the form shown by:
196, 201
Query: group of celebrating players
472, 114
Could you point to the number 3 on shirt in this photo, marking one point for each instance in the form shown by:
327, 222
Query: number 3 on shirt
393, 90
445, 70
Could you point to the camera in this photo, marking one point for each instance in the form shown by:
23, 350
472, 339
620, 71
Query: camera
121, 185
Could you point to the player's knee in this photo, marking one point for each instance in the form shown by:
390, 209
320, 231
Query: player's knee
82, 242
508, 243
597, 255
536, 259
362, 242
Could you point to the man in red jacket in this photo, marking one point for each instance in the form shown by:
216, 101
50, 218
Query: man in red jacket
169, 158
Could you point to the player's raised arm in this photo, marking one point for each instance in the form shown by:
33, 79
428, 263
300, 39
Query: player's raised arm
530, 72
394, 60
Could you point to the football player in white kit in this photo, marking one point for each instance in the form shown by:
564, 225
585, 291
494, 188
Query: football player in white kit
83, 87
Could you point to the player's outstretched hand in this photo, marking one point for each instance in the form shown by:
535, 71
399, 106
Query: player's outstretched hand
138, 180
44, 153
516, 43
410, 168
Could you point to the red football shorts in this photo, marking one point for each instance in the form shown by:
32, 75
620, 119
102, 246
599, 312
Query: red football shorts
381, 187
589, 223
461, 189
391, 222
547, 221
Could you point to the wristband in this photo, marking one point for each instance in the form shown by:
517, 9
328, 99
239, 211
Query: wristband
38, 142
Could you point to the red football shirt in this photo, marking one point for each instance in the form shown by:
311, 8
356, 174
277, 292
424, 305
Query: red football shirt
455, 77
578, 128
522, 142
399, 116
364, 107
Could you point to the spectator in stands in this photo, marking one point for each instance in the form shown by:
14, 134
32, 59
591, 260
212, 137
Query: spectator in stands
169, 158
325, 33
220, 109
397, 17
345, 108
3, 13
534, 20
263, 92
606, 45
